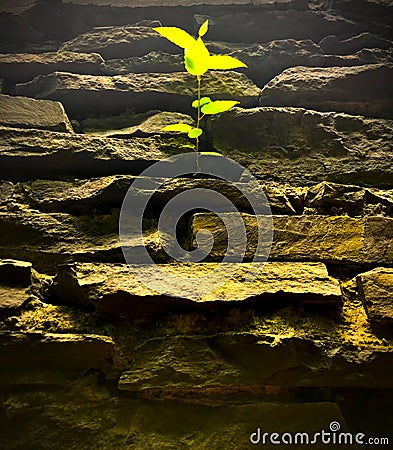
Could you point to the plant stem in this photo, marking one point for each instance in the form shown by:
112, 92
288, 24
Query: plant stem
198, 122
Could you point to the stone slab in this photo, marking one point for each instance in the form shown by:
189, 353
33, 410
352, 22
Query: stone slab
376, 290
23, 112
331, 239
88, 95
304, 147
114, 290
364, 90
246, 362
32, 154
22, 67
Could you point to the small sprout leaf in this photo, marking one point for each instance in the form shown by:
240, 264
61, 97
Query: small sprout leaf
202, 101
177, 36
203, 28
179, 127
218, 106
195, 133
224, 62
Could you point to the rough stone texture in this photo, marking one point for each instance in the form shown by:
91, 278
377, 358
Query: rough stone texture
23, 352
30, 154
265, 61
242, 361
6, 191
140, 125
334, 46
12, 299
365, 90
119, 42
104, 193
339, 199
22, 112
114, 290
291, 352
338, 240
22, 67
84, 95
50, 239
19, 283
15, 272
301, 147
376, 290
159, 62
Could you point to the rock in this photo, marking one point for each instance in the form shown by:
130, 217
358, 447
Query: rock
141, 125
114, 290
102, 194
14, 272
50, 239
334, 89
333, 240
118, 42
6, 191
339, 199
159, 62
47, 240
22, 67
246, 362
267, 25
19, 283
266, 61
87, 95
302, 147
375, 288
31, 154
22, 112
334, 46
23, 353
12, 300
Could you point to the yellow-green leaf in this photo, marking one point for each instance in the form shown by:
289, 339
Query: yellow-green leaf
195, 133
196, 58
218, 106
202, 101
179, 127
177, 36
203, 28
224, 62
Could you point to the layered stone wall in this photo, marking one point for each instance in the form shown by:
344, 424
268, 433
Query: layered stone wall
91, 357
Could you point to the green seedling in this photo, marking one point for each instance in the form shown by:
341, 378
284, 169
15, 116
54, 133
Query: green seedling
197, 61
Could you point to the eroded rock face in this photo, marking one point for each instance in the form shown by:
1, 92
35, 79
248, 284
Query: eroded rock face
22, 67
302, 147
266, 61
31, 154
376, 290
119, 42
338, 240
84, 95
22, 112
154, 61
334, 46
242, 361
114, 290
364, 90
72, 353
19, 283
101, 194
333, 198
